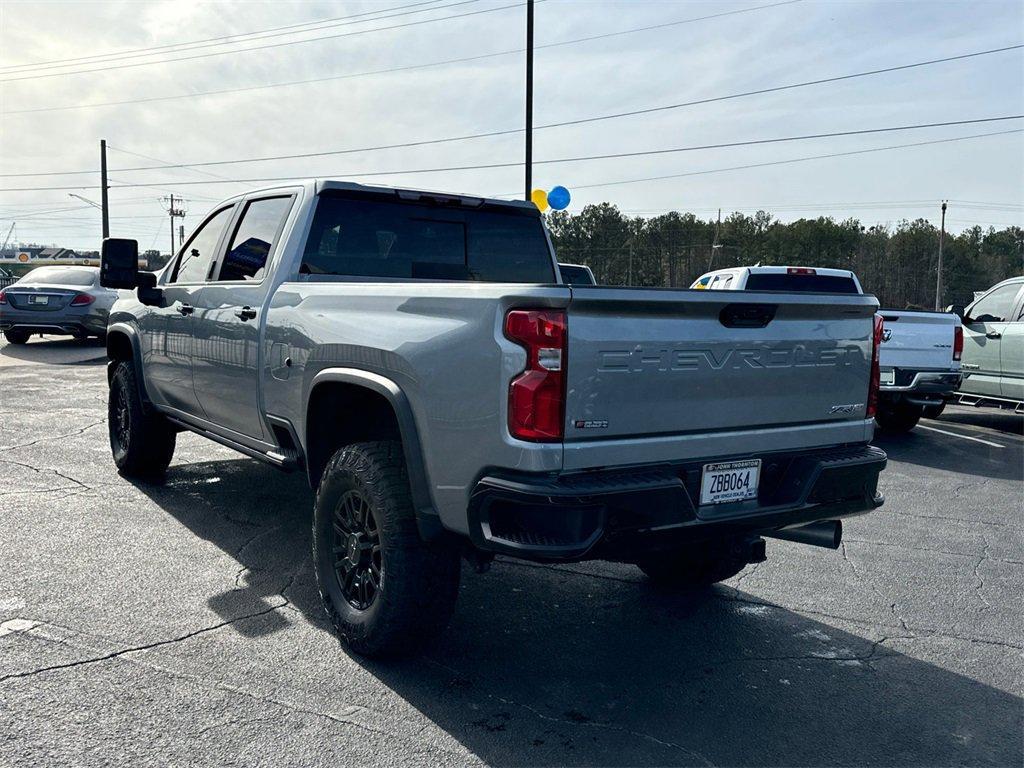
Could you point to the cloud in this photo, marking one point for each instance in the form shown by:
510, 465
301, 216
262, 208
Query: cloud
751, 50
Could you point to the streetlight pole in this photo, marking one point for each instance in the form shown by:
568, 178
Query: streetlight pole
938, 275
529, 99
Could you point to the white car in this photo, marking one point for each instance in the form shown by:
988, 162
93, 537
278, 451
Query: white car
757, 278
919, 361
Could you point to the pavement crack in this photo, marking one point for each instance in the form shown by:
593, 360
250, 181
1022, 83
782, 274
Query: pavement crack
139, 648
245, 545
980, 586
871, 585
77, 432
946, 517
903, 624
862, 658
40, 470
746, 575
578, 722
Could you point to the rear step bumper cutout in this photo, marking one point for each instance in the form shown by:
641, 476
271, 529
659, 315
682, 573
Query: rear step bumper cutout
621, 514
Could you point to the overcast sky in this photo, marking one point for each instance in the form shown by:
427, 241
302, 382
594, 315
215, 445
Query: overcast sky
749, 50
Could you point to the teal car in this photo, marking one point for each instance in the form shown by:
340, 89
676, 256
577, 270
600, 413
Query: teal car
993, 356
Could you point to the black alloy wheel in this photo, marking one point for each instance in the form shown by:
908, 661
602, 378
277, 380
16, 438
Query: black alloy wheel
356, 548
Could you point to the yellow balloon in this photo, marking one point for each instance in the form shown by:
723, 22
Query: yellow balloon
540, 199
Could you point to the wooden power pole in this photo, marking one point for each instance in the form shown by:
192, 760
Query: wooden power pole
938, 275
529, 99
103, 189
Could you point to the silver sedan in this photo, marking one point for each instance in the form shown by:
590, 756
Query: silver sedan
56, 300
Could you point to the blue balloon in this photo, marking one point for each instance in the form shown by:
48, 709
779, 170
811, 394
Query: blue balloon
558, 198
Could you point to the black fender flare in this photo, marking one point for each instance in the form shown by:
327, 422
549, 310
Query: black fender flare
427, 519
114, 330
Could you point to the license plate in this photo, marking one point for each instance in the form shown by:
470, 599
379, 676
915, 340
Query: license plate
730, 481
38, 299
887, 377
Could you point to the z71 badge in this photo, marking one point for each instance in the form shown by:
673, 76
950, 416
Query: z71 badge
851, 408
590, 424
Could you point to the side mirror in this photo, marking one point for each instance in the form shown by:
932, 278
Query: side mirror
148, 293
119, 263
956, 309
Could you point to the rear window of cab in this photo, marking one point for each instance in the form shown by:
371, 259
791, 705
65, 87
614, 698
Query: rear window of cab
60, 276
801, 283
360, 237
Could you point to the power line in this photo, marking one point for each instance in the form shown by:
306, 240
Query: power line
225, 39
990, 223
489, 134
784, 162
405, 68
491, 166
987, 205
168, 164
268, 46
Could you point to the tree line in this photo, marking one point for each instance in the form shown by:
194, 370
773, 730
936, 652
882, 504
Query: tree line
898, 264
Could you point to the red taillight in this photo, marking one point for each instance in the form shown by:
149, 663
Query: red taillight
536, 397
958, 342
876, 374
800, 271
3, 297
82, 300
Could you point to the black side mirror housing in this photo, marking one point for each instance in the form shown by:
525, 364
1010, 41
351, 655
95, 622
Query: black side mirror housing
148, 293
119, 263
956, 309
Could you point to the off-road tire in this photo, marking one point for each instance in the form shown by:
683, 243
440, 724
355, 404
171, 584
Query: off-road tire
692, 568
933, 411
16, 337
896, 418
417, 582
141, 440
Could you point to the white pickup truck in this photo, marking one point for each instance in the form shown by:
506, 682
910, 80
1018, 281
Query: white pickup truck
919, 359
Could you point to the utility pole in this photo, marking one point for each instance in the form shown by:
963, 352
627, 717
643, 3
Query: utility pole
103, 188
174, 213
715, 246
529, 99
938, 276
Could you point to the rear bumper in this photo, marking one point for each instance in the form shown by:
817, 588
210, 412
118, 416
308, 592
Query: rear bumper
56, 328
85, 321
932, 385
623, 514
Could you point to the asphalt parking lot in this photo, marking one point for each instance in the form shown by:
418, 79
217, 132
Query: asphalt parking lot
178, 624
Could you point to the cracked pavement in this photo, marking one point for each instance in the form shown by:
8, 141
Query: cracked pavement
179, 624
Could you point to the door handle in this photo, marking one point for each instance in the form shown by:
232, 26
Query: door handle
186, 309
993, 335
246, 313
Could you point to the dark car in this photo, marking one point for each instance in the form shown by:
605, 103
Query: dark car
56, 300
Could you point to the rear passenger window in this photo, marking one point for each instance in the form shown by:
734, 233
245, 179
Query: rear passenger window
246, 258
354, 236
995, 307
197, 257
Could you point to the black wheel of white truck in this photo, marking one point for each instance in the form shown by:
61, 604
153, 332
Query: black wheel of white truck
16, 337
141, 440
386, 591
898, 417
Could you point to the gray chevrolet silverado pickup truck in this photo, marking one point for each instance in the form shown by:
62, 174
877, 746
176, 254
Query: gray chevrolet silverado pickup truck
419, 357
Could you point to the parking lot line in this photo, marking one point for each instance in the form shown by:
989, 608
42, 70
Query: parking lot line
965, 437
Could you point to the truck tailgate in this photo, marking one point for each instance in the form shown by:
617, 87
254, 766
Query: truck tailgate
918, 340
648, 363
